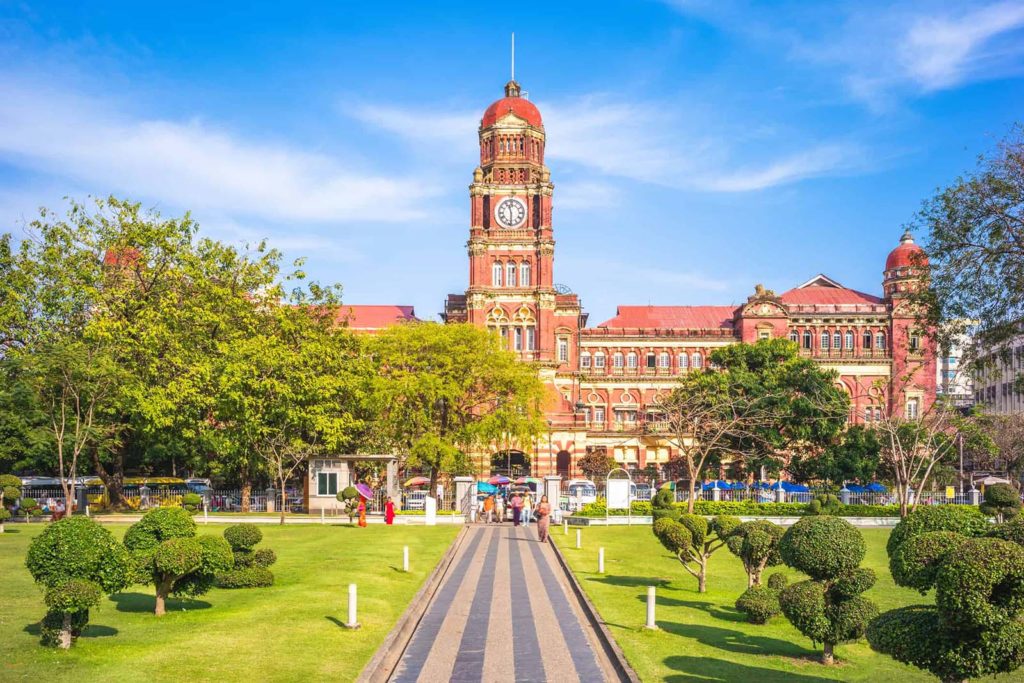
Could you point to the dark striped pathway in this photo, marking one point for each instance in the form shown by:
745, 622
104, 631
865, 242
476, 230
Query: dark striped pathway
504, 612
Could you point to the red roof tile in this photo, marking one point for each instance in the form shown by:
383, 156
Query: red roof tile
361, 317
818, 294
677, 317
521, 107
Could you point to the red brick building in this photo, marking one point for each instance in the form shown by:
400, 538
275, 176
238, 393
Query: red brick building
605, 377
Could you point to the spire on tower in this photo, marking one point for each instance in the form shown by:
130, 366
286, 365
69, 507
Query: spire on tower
513, 56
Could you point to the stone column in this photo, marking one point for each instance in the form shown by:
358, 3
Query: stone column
464, 498
553, 489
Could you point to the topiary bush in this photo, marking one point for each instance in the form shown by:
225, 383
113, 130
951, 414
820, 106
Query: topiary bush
173, 558
756, 543
192, 502
759, 603
965, 520
663, 504
777, 580
1001, 501
975, 627
825, 504
10, 491
829, 608
250, 569
77, 562
29, 507
1011, 531
915, 562
350, 497
693, 539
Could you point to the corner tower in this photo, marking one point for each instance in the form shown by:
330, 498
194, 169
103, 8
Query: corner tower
913, 349
511, 246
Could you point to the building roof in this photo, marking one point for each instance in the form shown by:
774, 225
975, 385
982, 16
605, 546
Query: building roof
360, 317
817, 292
676, 317
521, 107
904, 255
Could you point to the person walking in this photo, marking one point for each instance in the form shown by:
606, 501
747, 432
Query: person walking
543, 518
499, 508
517, 508
489, 509
362, 512
389, 511
527, 509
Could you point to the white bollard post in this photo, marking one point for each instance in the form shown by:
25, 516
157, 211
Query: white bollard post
206, 514
87, 511
578, 546
565, 527
352, 623
322, 520
650, 609
600, 560
405, 559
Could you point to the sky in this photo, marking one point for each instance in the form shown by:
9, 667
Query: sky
697, 147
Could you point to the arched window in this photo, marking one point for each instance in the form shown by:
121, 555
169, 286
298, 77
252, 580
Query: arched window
524, 274
837, 341
880, 341
697, 360
584, 360
510, 274
598, 360
496, 271
825, 337
664, 360
807, 339
866, 340
531, 338
631, 360
684, 361
617, 360
849, 341
794, 336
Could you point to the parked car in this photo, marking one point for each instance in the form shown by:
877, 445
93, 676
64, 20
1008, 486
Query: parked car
642, 492
581, 492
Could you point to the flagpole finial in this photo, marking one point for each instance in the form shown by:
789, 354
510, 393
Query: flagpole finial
513, 55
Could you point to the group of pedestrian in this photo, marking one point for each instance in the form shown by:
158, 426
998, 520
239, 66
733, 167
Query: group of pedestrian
523, 511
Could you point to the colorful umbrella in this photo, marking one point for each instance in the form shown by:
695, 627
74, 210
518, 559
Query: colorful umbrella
484, 487
364, 491
417, 481
499, 480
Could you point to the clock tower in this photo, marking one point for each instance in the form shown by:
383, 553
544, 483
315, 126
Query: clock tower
511, 246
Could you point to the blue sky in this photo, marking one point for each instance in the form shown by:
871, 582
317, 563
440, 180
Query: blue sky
697, 147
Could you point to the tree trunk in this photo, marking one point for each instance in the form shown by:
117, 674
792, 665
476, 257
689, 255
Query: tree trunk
163, 589
64, 641
690, 499
702, 581
246, 492
112, 481
1, 526
827, 655
284, 500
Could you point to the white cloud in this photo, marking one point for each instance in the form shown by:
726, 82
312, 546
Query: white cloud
193, 164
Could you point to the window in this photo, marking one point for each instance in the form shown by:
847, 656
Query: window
585, 360
496, 274
825, 337
524, 274
880, 341
794, 336
651, 361
504, 337
598, 360
912, 409
807, 339
684, 361
764, 334
698, 360
915, 342
849, 341
599, 413
866, 341
617, 360
326, 483
519, 339
664, 360
531, 339
510, 274
837, 341
563, 349
631, 360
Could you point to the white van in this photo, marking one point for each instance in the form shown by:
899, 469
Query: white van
580, 492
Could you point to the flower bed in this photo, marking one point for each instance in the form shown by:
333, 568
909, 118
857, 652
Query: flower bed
742, 508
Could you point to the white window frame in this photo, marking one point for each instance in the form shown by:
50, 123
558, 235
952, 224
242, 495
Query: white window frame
684, 361
600, 360
497, 274
563, 350
524, 274
618, 360
664, 360
697, 361
585, 360
510, 274
631, 360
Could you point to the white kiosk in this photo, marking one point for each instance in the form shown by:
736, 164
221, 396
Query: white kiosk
617, 493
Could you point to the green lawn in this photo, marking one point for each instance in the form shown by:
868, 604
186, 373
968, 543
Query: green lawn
703, 637
291, 631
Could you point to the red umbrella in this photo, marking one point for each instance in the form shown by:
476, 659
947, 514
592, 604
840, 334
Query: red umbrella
499, 480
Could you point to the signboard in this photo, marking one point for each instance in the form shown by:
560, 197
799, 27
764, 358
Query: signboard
950, 492
430, 510
617, 494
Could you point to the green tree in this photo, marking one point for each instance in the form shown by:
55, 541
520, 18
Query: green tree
756, 543
596, 464
10, 491
77, 562
173, 558
692, 539
854, 457
1002, 502
442, 391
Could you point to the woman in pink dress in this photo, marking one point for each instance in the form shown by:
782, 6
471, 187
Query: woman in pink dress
543, 518
389, 511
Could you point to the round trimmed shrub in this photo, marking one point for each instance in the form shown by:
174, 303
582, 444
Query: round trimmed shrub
663, 504
777, 581
1010, 531
965, 520
822, 547
803, 603
916, 562
10, 488
851, 584
264, 557
243, 536
74, 595
759, 603
675, 537
697, 526
980, 585
348, 493
244, 558
192, 502
157, 526
1001, 501
247, 577
724, 525
178, 556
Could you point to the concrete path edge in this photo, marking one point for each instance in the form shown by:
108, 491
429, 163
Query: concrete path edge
383, 663
607, 641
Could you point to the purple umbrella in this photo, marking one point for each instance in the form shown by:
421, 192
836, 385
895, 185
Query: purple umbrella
365, 491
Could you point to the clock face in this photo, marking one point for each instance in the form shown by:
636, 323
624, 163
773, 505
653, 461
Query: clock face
510, 212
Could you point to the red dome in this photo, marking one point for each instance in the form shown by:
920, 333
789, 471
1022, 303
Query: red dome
903, 255
522, 108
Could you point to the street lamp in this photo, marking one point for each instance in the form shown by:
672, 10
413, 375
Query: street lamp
551, 452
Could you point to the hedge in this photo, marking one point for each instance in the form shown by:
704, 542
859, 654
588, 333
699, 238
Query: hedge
743, 508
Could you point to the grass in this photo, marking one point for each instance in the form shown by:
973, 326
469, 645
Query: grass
702, 637
291, 631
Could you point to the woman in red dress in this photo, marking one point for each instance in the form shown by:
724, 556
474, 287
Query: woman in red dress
362, 512
389, 511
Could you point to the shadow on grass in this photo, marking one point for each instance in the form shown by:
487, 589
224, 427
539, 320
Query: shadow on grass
337, 622
140, 602
704, 669
633, 581
91, 631
717, 611
737, 641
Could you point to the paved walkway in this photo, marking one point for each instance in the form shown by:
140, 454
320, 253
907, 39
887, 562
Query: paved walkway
503, 612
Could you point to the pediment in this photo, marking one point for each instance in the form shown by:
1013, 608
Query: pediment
821, 280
